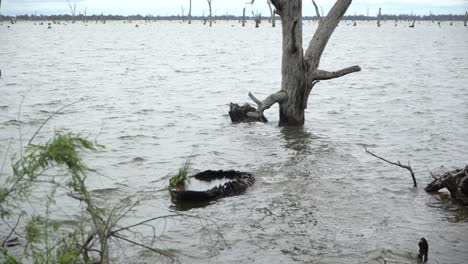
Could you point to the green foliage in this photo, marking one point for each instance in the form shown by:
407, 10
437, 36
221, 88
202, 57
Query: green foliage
45, 244
181, 177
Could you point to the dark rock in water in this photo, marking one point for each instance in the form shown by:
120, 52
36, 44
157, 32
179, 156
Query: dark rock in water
455, 181
240, 114
235, 182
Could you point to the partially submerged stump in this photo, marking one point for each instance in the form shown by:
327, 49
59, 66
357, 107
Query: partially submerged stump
455, 181
241, 114
233, 183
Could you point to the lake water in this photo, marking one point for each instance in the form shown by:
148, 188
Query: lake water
159, 94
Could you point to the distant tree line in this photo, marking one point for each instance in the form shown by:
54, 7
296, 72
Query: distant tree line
81, 17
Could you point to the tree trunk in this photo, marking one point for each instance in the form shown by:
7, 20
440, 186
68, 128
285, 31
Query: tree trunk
292, 67
190, 13
272, 13
209, 6
243, 18
466, 18
378, 17
300, 70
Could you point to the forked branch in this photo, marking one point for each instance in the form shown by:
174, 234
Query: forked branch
278, 97
326, 75
398, 163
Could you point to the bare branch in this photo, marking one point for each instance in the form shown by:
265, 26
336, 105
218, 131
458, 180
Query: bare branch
50, 117
278, 7
278, 97
317, 11
11, 232
408, 167
324, 32
326, 75
258, 102
159, 251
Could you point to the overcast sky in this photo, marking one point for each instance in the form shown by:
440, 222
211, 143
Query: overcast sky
220, 7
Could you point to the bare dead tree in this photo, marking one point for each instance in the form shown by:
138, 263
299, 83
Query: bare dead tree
257, 18
183, 12
72, 8
300, 71
272, 14
319, 17
466, 18
378, 17
190, 13
398, 163
412, 25
243, 17
209, 6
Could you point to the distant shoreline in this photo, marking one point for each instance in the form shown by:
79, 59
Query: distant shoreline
66, 17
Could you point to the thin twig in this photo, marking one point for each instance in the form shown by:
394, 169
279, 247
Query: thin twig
6, 154
162, 252
398, 163
11, 231
19, 126
50, 117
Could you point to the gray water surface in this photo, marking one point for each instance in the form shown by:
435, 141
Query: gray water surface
159, 94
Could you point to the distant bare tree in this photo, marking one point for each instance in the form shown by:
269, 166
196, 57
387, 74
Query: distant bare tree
243, 17
466, 18
378, 17
72, 8
272, 13
257, 18
319, 17
190, 13
412, 25
183, 12
209, 6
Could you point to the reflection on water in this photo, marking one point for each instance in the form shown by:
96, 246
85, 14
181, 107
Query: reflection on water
164, 92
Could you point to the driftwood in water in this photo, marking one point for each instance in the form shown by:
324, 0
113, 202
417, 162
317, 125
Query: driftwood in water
408, 167
455, 181
237, 183
245, 113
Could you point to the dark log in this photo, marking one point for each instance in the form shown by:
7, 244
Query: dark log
237, 183
241, 114
455, 181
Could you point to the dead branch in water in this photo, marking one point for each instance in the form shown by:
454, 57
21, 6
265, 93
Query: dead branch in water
398, 163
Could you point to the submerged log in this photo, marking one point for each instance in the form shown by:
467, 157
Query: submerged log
455, 181
236, 183
241, 114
